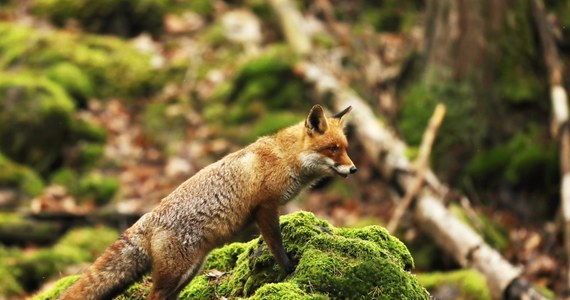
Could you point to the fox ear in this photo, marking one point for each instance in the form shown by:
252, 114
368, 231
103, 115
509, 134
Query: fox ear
340, 115
316, 120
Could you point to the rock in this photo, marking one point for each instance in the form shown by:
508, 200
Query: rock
333, 263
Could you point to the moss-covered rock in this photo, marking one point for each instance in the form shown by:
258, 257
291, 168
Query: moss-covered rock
58, 288
523, 160
17, 176
9, 285
461, 285
120, 17
14, 228
38, 125
333, 263
28, 269
94, 187
263, 83
77, 62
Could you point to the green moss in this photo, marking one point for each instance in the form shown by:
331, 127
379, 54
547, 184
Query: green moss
22, 177
524, 160
73, 80
465, 284
201, 288
125, 18
114, 66
38, 124
60, 286
263, 83
391, 15
461, 124
164, 123
284, 290
224, 259
9, 285
77, 246
493, 233
16, 228
88, 154
87, 187
87, 129
30, 268
90, 240
333, 263
39, 128
517, 69
98, 188
45, 263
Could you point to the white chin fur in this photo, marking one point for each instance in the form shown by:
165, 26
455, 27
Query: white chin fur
323, 165
343, 170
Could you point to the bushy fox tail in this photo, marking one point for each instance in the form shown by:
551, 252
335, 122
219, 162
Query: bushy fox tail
123, 263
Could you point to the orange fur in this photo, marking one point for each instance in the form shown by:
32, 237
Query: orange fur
211, 206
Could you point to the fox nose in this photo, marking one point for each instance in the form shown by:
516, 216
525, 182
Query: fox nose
353, 170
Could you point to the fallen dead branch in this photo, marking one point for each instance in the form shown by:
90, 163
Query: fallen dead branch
422, 164
560, 120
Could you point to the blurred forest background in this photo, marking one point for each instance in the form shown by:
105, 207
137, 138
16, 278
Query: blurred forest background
106, 106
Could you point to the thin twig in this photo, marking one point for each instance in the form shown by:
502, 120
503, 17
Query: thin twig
422, 165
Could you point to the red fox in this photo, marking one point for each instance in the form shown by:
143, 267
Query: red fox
210, 207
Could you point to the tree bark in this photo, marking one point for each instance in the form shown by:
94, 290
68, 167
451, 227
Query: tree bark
560, 120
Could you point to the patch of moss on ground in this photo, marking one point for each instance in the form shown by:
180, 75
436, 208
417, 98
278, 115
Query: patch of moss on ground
123, 18
9, 285
94, 187
462, 284
264, 83
20, 177
112, 65
29, 269
164, 123
333, 263
524, 160
57, 289
16, 228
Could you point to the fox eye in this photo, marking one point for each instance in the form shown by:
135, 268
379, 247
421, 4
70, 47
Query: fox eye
333, 148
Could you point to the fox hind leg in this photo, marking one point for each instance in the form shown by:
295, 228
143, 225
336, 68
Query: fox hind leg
168, 283
174, 265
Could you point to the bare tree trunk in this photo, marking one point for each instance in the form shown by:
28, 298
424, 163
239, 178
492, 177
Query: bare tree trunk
560, 120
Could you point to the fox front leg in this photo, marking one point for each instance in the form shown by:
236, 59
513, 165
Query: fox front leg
267, 219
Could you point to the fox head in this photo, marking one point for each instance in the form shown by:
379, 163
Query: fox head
325, 144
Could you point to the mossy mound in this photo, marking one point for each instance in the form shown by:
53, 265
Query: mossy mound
24, 271
332, 263
461, 285
120, 17
39, 126
264, 83
80, 62
15, 228
17, 176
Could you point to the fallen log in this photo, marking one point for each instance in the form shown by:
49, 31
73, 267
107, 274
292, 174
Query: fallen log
387, 153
